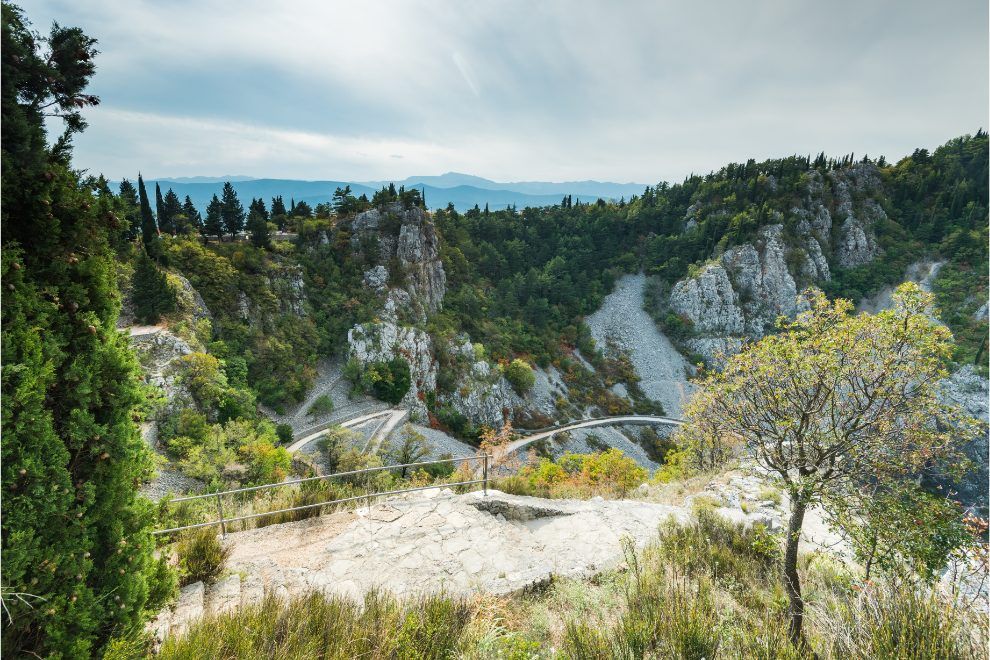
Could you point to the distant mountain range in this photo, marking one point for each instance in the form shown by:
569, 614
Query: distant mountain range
461, 190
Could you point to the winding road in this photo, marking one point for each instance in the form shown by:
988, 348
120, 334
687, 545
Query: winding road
637, 420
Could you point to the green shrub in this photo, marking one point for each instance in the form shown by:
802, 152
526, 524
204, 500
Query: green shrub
322, 405
164, 585
202, 556
388, 381
520, 375
284, 433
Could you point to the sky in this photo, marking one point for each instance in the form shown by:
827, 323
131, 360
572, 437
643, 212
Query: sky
530, 90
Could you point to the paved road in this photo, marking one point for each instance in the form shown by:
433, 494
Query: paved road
308, 436
587, 423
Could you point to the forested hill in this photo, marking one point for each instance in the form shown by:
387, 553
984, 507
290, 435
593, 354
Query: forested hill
519, 282
534, 273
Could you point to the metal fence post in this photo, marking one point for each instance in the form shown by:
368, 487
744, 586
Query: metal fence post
484, 484
223, 525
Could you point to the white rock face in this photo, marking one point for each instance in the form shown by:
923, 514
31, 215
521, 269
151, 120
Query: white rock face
376, 278
482, 393
740, 296
856, 245
414, 249
374, 342
708, 301
971, 391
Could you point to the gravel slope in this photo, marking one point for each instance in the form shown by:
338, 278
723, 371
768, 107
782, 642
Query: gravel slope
661, 367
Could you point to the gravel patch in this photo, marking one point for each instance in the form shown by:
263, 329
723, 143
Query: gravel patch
622, 320
170, 482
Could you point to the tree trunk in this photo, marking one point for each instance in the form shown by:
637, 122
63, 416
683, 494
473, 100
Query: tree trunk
792, 583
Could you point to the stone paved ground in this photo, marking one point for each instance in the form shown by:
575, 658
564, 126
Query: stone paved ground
441, 541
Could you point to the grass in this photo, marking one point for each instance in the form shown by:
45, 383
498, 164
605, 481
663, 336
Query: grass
331, 627
706, 588
202, 557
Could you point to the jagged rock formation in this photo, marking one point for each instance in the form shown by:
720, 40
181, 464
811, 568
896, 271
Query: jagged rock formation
157, 350
740, 295
408, 253
409, 276
970, 391
482, 394
380, 342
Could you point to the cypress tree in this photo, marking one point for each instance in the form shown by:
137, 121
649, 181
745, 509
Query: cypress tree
153, 295
232, 211
213, 225
76, 538
149, 230
163, 225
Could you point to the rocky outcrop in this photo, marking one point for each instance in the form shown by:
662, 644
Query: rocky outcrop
969, 390
157, 350
740, 295
856, 243
407, 250
380, 342
482, 393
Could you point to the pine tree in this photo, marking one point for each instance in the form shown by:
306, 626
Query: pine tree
131, 209
258, 227
76, 538
259, 206
168, 218
232, 212
279, 215
213, 225
194, 221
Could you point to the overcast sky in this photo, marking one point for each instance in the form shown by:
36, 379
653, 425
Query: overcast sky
621, 91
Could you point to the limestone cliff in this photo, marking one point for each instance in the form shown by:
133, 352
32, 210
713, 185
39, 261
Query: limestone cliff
408, 272
738, 296
740, 293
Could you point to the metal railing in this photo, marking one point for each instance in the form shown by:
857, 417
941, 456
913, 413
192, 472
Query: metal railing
222, 520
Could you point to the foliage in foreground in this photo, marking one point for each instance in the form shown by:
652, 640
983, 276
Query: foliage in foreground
706, 589
835, 406
202, 557
608, 473
77, 562
318, 626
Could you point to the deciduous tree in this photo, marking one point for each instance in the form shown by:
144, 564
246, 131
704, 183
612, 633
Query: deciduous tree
832, 402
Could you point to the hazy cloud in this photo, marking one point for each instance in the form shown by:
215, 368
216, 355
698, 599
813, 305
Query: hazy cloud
519, 90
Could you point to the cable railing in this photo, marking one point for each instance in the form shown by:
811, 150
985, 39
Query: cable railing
223, 520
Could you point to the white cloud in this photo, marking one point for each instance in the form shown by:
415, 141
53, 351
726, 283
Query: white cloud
516, 89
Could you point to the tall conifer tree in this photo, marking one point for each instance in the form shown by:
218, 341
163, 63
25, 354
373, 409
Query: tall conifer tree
76, 538
232, 212
213, 225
